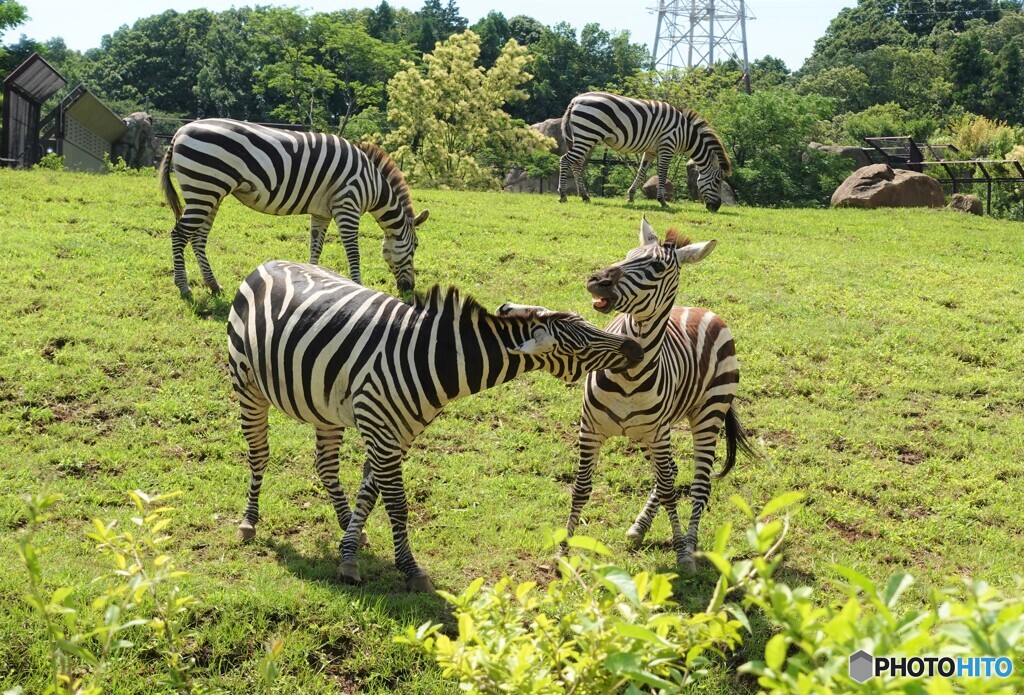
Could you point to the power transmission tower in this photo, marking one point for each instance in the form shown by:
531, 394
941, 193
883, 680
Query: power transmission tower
700, 32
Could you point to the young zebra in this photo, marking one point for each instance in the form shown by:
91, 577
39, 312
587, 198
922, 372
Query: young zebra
282, 172
331, 353
656, 129
689, 371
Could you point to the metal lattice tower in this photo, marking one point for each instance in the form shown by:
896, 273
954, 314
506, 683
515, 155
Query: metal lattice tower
701, 32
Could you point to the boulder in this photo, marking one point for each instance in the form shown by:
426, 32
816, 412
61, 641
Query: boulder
137, 147
881, 186
650, 189
728, 196
967, 203
857, 156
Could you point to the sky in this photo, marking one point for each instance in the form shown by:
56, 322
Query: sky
784, 29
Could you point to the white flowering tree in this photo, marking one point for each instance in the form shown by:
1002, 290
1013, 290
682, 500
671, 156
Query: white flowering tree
449, 124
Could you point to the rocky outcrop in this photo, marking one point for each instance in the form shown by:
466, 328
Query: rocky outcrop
881, 186
967, 203
137, 147
857, 156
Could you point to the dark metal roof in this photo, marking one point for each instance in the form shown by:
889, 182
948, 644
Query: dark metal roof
35, 79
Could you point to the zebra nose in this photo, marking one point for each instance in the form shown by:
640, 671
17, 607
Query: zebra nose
405, 285
632, 351
601, 279
713, 207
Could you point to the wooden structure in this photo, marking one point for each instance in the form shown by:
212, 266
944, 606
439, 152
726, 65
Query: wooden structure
25, 91
83, 130
904, 153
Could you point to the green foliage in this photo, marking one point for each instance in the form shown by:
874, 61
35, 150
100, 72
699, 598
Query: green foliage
883, 120
449, 120
141, 599
969, 65
980, 137
51, 161
121, 168
766, 134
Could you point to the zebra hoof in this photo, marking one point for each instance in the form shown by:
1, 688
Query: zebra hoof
348, 573
216, 289
420, 584
186, 294
562, 199
364, 539
246, 532
634, 539
663, 203
586, 199
687, 566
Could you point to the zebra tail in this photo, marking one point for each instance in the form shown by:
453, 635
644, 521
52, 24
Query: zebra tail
735, 440
566, 130
168, 188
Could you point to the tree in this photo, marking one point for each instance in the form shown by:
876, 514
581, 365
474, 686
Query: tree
449, 119
525, 30
1006, 84
381, 23
11, 15
437, 23
849, 86
855, 30
494, 33
968, 65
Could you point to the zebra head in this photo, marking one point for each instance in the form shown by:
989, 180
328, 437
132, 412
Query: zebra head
645, 283
399, 247
709, 184
568, 346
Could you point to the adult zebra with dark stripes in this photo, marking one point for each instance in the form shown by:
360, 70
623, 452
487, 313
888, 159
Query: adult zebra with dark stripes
689, 372
283, 172
331, 353
655, 129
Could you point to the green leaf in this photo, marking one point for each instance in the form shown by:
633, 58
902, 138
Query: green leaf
628, 665
591, 544
781, 502
638, 632
775, 652
620, 581
661, 588
855, 578
896, 586
743, 506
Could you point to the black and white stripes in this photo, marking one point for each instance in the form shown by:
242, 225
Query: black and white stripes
689, 371
655, 129
286, 173
333, 354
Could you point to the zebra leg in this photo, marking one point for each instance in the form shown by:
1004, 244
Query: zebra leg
582, 486
705, 440
255, 409
665, 472
635, 534
347, 219
317, 228
581, 184
199, 247
355, 535
664, 159
641, 176
563, 172
328, 442
179, 240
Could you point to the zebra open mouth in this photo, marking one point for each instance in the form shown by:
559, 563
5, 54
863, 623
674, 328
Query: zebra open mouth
602, 304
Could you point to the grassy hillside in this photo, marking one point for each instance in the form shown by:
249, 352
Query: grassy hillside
880, 374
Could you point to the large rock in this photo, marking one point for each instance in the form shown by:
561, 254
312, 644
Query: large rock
137, 147
967, 203
516, 180
650, 189
728, 196
857, 156
881, 186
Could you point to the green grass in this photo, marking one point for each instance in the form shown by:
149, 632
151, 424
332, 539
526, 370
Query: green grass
880, 374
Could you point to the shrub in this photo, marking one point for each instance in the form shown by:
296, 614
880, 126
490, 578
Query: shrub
51, 161
977, 136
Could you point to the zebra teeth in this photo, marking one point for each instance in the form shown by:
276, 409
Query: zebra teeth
600, 303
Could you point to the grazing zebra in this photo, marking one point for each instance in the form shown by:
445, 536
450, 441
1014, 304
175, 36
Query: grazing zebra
331, 353
284, 172
689, 371
656, 129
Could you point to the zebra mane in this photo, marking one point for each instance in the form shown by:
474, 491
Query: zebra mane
436, 298
673, 239
383, 161
701, 124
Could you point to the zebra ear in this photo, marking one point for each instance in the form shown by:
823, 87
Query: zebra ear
647, 235
421, 218
518, 311
695, 252
541, 342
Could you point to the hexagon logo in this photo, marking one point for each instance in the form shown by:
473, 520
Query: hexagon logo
862, 666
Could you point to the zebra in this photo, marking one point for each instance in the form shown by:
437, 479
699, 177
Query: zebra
689, 371
282, 172
656, 129
329, 352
